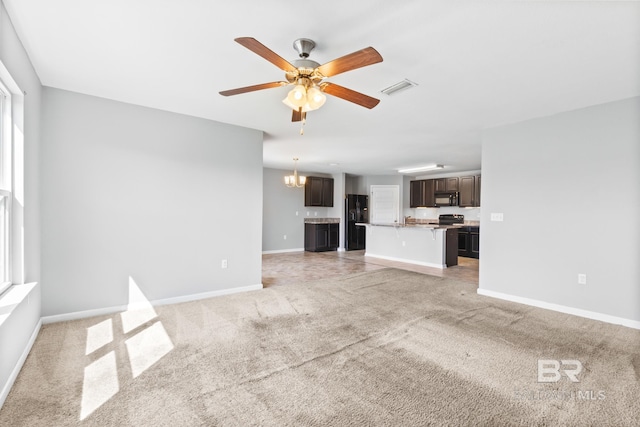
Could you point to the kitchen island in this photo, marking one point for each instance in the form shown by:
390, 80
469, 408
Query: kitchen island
430, 245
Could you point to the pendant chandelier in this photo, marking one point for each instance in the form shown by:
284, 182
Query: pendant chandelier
295, 180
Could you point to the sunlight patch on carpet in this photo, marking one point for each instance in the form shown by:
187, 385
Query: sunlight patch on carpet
99, 335
147, 347
100, 384
144, 349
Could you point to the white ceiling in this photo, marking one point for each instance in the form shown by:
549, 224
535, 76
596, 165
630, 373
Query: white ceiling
478, 64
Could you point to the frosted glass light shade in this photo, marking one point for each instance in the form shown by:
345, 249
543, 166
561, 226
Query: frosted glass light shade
315, 98
298, 96
291, 181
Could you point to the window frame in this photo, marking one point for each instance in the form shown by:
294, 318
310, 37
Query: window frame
6, 186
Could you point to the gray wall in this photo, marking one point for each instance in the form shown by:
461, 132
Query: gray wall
569, 188
361, 184
162, 198
281, 204
355, 184
20, 316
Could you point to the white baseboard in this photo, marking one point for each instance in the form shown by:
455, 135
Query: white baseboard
635, 324
205, 295
174, 300
406, 261
16, 370
83, 314
283, 251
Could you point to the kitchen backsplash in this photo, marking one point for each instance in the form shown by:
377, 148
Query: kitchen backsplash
470, 214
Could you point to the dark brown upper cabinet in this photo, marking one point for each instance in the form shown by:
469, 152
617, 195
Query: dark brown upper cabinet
446, 184
469, 191
421, 193
318, 191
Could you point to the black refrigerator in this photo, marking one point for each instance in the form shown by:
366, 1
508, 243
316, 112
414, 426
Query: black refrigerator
357, 210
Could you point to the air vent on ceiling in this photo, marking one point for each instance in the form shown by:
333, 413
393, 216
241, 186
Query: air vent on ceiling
400, 86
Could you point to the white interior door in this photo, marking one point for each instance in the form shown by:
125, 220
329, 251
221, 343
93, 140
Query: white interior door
385, 204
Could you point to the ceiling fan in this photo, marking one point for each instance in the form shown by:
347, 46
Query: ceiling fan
308, 76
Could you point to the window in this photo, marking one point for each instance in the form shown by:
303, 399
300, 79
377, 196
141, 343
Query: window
5, 187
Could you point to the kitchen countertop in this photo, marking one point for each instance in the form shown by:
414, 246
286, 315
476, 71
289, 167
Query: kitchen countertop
467, 223
414, 225
322, 220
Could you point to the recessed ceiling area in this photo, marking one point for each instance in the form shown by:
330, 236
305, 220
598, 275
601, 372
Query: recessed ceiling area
478, 64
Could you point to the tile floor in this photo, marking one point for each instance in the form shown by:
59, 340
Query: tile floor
300, 267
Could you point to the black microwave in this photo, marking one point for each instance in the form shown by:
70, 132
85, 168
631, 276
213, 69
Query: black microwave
449, 198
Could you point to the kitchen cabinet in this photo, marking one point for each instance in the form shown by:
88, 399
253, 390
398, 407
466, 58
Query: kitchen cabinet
416, 193
469, 196
469, 242
318, 191
421, 193
321, 237
446, 184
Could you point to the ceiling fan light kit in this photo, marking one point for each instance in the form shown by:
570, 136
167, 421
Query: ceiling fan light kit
308, 77
304, 96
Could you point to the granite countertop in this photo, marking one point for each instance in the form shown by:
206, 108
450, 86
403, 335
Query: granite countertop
411, 222
426, 223
415, 221
412, 225
322, 220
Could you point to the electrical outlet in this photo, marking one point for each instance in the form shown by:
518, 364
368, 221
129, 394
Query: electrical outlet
285, 237
404, 243
223, 264
296, 213
582, 279
315, 214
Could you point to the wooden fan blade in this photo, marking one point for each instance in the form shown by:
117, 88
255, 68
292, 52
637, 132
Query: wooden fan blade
361, 58
298, 115
258, 48
252, 88
349, 95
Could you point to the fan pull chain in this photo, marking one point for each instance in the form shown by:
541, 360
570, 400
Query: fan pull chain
303, 121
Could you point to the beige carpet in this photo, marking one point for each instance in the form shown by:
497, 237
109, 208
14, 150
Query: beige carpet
387, 347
